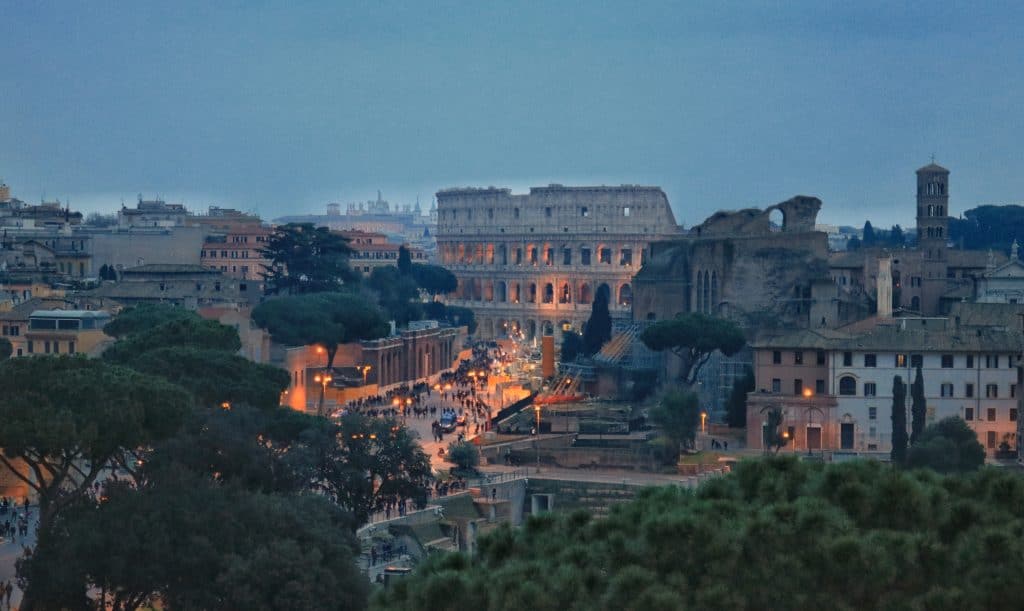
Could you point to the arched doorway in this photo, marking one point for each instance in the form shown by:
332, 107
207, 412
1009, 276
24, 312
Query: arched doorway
626, 295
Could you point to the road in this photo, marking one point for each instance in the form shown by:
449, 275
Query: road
10, 551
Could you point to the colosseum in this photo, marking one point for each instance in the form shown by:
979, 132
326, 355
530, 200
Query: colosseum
530, 264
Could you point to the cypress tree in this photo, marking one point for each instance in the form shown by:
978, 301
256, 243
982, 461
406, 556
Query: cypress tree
918, 408
599, 327
899, 420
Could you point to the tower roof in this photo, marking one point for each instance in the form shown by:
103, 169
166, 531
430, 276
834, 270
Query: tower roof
932, 168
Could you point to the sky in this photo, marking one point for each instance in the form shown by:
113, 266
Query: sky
283, 107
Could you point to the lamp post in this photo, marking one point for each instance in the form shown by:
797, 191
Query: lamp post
536, 439
322, 379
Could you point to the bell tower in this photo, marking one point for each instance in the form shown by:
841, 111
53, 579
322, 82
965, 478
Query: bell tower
933, 209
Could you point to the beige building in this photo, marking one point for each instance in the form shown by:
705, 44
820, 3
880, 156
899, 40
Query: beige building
835, 387
67, 332
532, 263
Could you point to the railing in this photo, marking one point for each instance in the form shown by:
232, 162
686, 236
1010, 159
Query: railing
489, 479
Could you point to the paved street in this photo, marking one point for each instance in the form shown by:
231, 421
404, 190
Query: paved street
10, 551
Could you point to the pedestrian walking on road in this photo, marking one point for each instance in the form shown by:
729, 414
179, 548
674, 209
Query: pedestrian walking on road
9, 590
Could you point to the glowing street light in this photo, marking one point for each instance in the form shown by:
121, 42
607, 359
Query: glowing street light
808, 393
703, 422
323, 380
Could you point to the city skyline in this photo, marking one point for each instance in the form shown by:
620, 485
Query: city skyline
724, 107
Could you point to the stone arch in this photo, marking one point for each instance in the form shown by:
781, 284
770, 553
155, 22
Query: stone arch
699, 292
585, 294
547, 328
565, 293
776, 219
714, 292
915, 303
706, 305
626, 295
461, 254
549, 293
517, 292
503, 254
606, 290
500, 291
478, 291
489, 290
531, 293
489, 254
531, 329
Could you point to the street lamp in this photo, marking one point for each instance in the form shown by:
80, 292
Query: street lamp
536, 439
703, 422
323, 380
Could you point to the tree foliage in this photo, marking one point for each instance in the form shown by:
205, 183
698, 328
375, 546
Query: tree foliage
404, 260
678, 416
306, 259
736, 407
182, 332
572, 346
145, 318
918, 407
434, 279
397, 294
215, 377
777, 533
464, 455
188, 544
869, 234
5, 348
899, 420
72, 419
985, 227
694, 337
774, 437
373, 461
457, 316
327, 319
599, 326
947, 446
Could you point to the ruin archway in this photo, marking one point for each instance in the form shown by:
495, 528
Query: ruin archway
776, 219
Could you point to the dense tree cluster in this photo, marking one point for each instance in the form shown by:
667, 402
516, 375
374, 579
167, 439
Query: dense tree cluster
775, 534
222, 500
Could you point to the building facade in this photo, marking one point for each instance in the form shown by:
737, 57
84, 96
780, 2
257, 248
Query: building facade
372, 250
531, 264
235, 243
835, 389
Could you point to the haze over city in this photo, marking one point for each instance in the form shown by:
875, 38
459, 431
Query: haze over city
283, 108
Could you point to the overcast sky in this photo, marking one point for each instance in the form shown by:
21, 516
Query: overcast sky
283, 107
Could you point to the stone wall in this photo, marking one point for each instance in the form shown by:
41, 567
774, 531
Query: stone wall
738, 266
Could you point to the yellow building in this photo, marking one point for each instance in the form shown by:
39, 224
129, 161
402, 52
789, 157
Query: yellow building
66, 332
